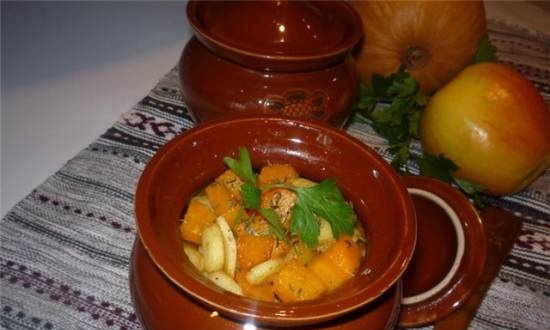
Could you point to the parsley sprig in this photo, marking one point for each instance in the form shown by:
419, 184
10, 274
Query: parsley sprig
442, 168
242, 167
251, 193
393, 106
322, 200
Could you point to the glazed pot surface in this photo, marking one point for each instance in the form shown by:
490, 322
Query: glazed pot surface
289, 58
213, 87
164, 306
282, 36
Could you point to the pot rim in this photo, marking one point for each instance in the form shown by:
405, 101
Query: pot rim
279, 62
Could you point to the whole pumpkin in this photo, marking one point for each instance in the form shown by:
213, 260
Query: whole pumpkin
434, 39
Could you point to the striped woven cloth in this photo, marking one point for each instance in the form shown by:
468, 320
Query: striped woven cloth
65, 248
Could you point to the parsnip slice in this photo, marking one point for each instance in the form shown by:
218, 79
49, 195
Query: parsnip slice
212, 248
225, 282
261, 272
194, 256
229, 247
325, 232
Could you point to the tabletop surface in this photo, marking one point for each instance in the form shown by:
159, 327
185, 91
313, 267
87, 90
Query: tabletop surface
70, 107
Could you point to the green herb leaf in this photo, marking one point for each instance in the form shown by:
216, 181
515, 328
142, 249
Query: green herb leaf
438, 167
242, 167
394, 105
274, 222
251, 196
305, 224
367, 100
472, 190
468, 186
486, 51
324, 200
403, 85
442, 168
239, 216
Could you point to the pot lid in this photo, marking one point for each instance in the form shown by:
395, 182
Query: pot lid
449, 255
275, 30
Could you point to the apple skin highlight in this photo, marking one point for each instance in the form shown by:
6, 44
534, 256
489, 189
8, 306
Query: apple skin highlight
493, 124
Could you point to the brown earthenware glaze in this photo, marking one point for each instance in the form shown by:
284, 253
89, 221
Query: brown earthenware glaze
318, 151
160, 305
446, 263
290, 58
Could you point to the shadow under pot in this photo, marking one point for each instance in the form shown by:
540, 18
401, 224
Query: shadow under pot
284, 58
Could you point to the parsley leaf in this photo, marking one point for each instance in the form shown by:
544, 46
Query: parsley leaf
486, 52
394, 105
242, 167
251, 196
438, 167
472, 190
305, 224
274, 222
323, 200
442, 168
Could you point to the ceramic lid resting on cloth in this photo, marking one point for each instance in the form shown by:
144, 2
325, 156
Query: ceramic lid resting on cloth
449, 256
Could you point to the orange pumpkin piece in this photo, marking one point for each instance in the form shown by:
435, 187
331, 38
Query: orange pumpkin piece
220, 197
304, 254
251, 250
338, 263
294, 282
276, 173
232, 182
234, 215
198, 216
262, 292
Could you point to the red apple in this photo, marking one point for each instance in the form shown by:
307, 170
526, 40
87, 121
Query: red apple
493, 124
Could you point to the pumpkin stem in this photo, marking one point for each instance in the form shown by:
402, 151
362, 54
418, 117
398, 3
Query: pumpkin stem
414, 57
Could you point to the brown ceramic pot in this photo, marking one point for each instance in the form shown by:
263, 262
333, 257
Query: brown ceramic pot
318, 151
277, 57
